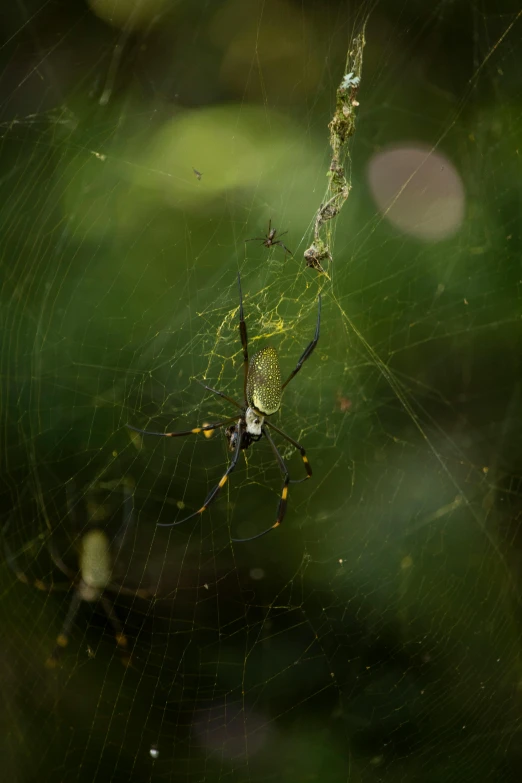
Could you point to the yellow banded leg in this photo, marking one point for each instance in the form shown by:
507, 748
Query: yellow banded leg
62, 640
182, 433
212, 495
299, 448
121, 639
281, 511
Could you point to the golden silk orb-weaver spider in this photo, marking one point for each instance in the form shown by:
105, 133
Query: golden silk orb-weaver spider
262, 391
97, 563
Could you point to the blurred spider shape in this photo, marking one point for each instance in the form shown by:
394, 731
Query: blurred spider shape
269, 240
97, 561
262, 391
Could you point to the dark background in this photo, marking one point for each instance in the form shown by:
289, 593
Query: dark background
375, 636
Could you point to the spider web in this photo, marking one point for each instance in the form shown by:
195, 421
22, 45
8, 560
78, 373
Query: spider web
376, 634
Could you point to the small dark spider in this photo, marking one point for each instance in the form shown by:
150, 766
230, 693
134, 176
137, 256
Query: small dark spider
262, 390
270, 239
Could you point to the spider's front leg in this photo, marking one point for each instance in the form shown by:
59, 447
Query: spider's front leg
212, 495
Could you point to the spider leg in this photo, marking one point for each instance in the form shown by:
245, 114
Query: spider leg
281, 234
55, 557
299, 448
212, 495
10, 559
121, 639
195, 431
119, 540
309, 348
12, 562
283, 245
62, 640
219, 394
128, 521
72, 501
281, 509
57, 560
121, 590
244, 339
256, 239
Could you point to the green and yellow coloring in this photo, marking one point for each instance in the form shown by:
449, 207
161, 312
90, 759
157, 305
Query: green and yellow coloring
264, 382
95, 559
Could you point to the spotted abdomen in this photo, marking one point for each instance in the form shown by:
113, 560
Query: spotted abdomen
264, 381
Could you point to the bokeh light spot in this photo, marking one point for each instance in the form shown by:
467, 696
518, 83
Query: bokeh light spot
418, 190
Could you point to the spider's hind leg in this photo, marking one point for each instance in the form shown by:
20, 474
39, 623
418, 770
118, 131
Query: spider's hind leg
284, 246
62, 640
281, 508
121, 639
301, 451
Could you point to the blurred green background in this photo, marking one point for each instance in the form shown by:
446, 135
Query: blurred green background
375, 636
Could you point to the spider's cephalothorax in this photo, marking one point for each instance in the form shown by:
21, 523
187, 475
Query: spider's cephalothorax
262, 390
231, 434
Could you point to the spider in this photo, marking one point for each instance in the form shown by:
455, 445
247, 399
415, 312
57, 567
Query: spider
94, 578
270, 239
262, 392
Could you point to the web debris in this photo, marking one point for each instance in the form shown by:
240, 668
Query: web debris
342, 127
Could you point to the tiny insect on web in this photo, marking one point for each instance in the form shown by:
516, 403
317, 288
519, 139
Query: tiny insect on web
262, 391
